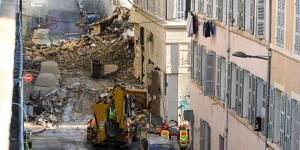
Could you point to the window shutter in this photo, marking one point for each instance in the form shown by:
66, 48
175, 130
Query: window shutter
209, 8
224, 10
204, 52
252, 100
209, 83
223, 74
297, 33
246, 94
205, 132
199, 64
298, 126
280, 23
239, 89
260, 19
233, 84
282, 120
202, 134
235, 13
288, 123
241, 14
201, 6
263, 108
193, 63
218, 78
219, 10
230, 12
272, 113
249, 15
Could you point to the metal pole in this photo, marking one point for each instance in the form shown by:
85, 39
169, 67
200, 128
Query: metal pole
269, 79
227, 91
268, 98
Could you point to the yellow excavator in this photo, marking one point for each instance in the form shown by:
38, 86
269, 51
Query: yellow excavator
115, 116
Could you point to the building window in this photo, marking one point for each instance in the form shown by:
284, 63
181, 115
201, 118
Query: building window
260, 19
181, 4
204, 135
280, 23
297, 33
209, 8
249, 16
241, 15
220, 78
201, 6
209, 74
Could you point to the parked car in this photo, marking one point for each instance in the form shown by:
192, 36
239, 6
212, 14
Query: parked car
157, 143
41, 38
45, 84
50, 67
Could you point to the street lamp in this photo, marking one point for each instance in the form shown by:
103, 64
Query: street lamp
268, 58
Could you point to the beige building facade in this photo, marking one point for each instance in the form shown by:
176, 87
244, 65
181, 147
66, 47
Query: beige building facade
162, 53
249, 33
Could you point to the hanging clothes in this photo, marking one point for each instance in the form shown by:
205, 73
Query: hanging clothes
189, 26
208, 29
195, 24
212, 28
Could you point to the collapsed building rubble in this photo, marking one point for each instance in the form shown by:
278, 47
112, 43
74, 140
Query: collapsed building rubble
108, 41
112, 46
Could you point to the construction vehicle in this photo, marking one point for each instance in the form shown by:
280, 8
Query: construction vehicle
116, 116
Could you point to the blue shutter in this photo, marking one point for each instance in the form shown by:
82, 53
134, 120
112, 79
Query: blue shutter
288, 124
199, 64
219, 9
209, 83
233, 85
224, 11
246, 94
218, 78
297, 33
282, 121
298, 126
272, 113
260, 19
223, 79
239, 89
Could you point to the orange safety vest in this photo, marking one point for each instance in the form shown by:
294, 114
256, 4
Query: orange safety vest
165, 134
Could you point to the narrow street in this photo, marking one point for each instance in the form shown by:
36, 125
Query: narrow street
67, 14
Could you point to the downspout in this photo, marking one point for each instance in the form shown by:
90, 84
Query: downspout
269, 75
227, 91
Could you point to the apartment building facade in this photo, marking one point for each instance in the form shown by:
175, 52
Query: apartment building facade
162, 51
249, 32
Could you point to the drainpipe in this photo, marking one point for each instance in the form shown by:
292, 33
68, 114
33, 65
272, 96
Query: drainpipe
269, 76
227, 91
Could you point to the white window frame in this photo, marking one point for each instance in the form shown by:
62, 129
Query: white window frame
180, 9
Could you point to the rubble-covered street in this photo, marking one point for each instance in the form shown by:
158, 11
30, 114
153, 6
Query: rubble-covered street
59, 118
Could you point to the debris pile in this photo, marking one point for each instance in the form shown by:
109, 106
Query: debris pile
111, 45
